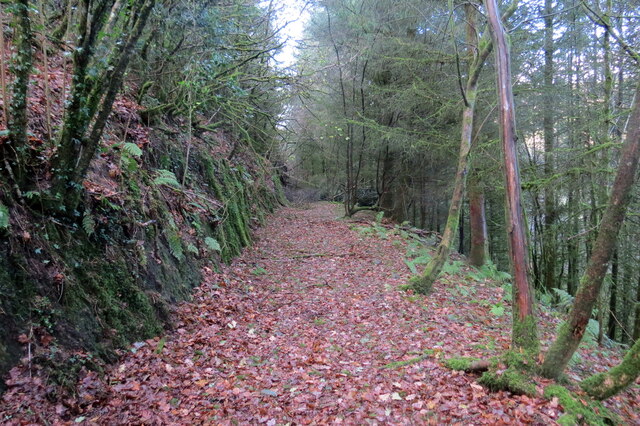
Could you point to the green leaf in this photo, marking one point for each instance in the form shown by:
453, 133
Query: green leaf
411, 266
213, 244
422, 260
497, 310
4, 217
132, 149
165, 177
88, 223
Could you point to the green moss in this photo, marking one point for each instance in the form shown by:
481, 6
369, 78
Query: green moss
399, 364
519, 360
421, 284
120, 306
511, 380
118, 283
460, 363
525, 335
579, 410
559, 354
604, 385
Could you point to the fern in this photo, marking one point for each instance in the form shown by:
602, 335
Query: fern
591, 335
452, 268
422, 260
411, 266
213, 244
379, 216
174, 240
565, 300
88, 224
489, 271
497, 309
166, 177
132, 149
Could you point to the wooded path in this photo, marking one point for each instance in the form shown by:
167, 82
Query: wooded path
303, 328
308, 327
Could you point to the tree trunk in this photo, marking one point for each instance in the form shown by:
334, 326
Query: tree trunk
636, 325
461, 230
76, 115
524, 324
75, 158
477, 221
422, 284
17, 121
605, 385
572, 331
549, 249
613, 300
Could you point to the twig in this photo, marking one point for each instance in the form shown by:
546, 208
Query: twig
580, 234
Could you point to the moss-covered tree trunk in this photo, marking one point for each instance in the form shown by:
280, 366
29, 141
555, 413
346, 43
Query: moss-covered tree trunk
422, 283
76, 115
605, 385
572, 331
77, 148
13, 153
524, 324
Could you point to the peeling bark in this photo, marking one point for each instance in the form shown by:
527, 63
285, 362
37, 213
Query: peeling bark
524, 324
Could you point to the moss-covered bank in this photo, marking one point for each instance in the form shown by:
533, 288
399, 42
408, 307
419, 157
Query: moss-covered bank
103, 277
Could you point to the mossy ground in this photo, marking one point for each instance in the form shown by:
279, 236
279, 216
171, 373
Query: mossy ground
460, 363
509, 372
579, 410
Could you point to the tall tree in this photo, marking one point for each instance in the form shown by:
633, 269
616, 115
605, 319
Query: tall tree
422, 284
573, 329
549, 243
524, 324
14, 154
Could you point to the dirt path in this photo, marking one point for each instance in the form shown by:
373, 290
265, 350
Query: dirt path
308, 327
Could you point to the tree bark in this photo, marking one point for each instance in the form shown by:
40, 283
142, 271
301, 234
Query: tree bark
572, 331
76, 115
17, 121
477, 221
613, 299
524, 325
549, 237
636, 325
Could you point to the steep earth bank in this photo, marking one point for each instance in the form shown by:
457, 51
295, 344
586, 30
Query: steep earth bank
73, 290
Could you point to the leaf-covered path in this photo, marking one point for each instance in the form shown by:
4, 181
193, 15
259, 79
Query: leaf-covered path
308, 327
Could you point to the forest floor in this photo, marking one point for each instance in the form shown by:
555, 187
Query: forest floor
308, 327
